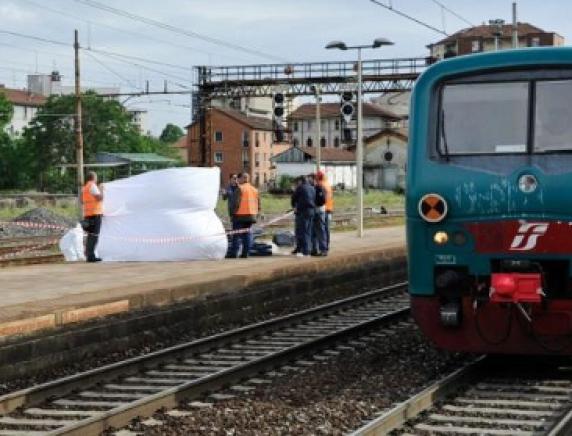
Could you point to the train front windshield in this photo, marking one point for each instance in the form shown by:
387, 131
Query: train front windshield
505, 117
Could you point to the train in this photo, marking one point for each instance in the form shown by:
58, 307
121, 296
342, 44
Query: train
489, 202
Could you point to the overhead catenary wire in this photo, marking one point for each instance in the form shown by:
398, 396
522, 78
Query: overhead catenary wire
115, 55
112, 71
117, 29
409, 17
452, 12
180, 31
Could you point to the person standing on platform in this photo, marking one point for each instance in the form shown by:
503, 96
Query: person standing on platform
319, 247
245, 212
303, 202
229, 195
92, 201
329, 205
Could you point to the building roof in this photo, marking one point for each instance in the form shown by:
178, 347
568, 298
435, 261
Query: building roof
132, 158
332, 110
181, 142
304, 154
21, 97
400, 133
254, 122
486, 31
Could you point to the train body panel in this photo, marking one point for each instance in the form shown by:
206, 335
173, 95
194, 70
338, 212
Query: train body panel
488, 203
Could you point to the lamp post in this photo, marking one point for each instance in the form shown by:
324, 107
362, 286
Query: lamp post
317, 90
379, 42
497, 31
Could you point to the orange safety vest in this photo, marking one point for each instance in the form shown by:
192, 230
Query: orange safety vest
329, 196
248, 200
91, 205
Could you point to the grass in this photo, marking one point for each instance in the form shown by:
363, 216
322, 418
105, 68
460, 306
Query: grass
11, 213
275, 204
271, 204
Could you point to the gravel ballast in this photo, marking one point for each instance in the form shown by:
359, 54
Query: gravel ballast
331, 397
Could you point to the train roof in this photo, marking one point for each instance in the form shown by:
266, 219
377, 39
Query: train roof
503, 60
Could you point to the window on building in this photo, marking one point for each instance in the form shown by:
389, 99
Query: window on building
245, 159
295, 142
323, 142
256, 159
309, 141
265, 178
295, 126
257, 179
218, 136
256, 139
337, 125
218, 157
245, 142
535, 41
337, 142
475, 45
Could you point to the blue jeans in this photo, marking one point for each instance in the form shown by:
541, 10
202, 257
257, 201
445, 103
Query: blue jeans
304, 223
238, 239
319, 236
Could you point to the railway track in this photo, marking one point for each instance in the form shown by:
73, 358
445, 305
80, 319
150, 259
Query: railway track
110, 396
481, 399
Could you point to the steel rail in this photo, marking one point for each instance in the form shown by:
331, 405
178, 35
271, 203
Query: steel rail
511, 397
148, 404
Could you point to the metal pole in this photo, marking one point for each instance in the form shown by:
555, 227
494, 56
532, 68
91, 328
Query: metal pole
78, 122
514, 27
359, 149
318, 130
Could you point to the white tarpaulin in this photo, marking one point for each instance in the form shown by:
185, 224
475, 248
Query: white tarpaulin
163, 215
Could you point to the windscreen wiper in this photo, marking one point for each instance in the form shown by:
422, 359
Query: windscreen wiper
444, 136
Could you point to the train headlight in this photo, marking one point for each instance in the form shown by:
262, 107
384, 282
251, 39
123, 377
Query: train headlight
440, 237
432, 208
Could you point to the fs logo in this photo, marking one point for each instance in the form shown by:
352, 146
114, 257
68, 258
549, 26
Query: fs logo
527, 236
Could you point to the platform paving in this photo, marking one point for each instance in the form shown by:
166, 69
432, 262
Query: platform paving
42, 296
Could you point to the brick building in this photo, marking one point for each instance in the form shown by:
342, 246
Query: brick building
482, 38
236, 143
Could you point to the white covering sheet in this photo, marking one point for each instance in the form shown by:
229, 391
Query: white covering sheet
164, 215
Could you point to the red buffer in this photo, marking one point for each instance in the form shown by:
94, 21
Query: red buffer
516, 288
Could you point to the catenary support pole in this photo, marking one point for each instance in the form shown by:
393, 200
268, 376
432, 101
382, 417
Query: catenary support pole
318, 129
78, 121
359, 149
514, 26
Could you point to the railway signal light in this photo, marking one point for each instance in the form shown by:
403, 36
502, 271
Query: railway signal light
278, 101
347, 107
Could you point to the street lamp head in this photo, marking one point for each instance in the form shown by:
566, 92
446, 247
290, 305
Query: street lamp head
379, 42
337, 44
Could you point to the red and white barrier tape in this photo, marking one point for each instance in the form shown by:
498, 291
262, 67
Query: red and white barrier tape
159, 240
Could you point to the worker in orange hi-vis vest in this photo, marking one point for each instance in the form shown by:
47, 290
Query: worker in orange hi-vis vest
329, 206
92, 201
245, 213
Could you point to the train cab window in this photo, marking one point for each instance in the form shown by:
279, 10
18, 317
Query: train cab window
484, 118
553, 116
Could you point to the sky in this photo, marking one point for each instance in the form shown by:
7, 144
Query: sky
266, 31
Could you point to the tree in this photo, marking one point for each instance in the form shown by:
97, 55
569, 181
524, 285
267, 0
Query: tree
50, 138
171, 134
6, 111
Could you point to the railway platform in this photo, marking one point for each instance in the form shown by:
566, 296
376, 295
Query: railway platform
43, 296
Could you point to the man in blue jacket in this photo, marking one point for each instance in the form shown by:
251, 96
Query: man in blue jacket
304, 204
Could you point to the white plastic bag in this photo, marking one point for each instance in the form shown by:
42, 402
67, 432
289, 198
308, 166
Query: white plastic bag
163, 215
71, 245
